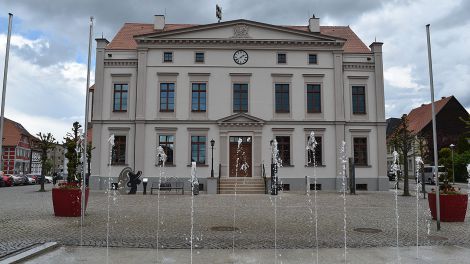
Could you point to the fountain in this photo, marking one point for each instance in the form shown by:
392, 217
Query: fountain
419, 163
395, 168
108, 190
468, 180
276, 164
194, 181
311, 147
344, 162
161, 159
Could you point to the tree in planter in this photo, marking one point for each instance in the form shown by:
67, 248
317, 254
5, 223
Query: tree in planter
403, 139
89, 148
72, 144
46, 142
47, 167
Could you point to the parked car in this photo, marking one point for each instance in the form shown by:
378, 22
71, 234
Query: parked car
7, 181
37, 177
391, 175
31, 179
18, 180
47, 179
25, 179
429, 176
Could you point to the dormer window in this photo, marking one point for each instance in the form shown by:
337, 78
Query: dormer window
168, 56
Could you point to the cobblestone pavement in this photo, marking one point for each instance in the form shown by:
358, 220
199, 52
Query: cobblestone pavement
26, 218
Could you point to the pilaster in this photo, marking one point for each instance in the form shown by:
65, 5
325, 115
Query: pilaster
376, 48
101, 44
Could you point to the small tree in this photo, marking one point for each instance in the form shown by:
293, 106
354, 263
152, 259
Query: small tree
72, 144
89, 149
403, 139
46, 142
47, 167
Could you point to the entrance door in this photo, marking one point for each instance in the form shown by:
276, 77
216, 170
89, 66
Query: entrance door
240, 158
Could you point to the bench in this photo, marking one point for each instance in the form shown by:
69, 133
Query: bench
168, 184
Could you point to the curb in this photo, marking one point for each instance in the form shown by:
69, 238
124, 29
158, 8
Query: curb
30, 253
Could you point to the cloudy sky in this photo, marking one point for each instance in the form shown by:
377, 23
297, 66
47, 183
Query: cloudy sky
47, 72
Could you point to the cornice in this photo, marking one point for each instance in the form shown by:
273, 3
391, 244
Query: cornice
120, 63
358, 66
256, 42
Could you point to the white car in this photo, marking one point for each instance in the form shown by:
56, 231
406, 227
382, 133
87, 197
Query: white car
47, 179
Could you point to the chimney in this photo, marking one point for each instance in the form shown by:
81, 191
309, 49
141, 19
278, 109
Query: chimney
159, 23
314, 24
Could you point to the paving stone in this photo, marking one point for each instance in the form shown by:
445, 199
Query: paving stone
27, 218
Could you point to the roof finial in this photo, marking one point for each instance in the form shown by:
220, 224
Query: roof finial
313, 15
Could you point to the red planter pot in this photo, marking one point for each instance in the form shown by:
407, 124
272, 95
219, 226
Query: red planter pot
453, 207
67, 201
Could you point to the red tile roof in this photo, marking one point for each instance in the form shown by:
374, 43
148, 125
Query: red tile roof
12, 132
420, 117
124, 39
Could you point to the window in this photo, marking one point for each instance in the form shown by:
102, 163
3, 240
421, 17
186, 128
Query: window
360, 151
119, 151
283, 145
312, 59
317, 158
359, 99
282, 97
167, 97
313, 98
199, 57
281, 58
167, 143
198, 149
167, 56
198, 102
120, 97
240, 97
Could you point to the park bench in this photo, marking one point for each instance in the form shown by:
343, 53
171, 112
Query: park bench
168, 184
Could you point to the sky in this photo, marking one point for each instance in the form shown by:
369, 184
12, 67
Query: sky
47, 70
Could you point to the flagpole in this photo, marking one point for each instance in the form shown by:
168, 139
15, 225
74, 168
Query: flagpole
434, 134
4, 91
85, 135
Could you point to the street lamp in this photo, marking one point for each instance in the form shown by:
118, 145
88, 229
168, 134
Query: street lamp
452, 146
212, 158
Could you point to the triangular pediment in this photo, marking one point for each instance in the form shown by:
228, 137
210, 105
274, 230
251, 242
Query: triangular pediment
239, 29
240, 119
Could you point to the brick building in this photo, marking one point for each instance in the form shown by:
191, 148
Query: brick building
16, 152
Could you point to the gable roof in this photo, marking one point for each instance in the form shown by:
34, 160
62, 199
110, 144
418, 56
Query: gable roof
12, 132
420, 117
124, 39
240, 118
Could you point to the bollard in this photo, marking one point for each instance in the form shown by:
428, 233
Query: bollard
307, 185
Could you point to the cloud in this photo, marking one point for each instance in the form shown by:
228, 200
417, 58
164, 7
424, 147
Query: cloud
400, 77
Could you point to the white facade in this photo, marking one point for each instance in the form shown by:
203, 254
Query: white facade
143, 69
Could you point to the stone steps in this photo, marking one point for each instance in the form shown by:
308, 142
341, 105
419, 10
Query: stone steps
241, 186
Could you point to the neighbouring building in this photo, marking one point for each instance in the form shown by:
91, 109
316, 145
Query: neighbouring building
449, 126
16, 150
181, 85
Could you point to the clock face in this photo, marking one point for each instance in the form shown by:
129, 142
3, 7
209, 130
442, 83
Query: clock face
240, 57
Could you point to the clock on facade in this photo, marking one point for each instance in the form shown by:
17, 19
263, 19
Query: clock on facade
240, 57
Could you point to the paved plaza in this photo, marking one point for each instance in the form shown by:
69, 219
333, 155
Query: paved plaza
262, 221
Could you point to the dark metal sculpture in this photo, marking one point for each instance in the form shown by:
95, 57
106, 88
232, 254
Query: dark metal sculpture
133, 181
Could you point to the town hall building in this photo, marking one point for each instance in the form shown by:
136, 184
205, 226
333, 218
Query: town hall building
180, 86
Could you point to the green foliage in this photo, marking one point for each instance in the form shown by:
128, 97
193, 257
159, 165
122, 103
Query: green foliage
460, 162
463, 144
402, 139
47, 167
46, 142
72, 143
445, 159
